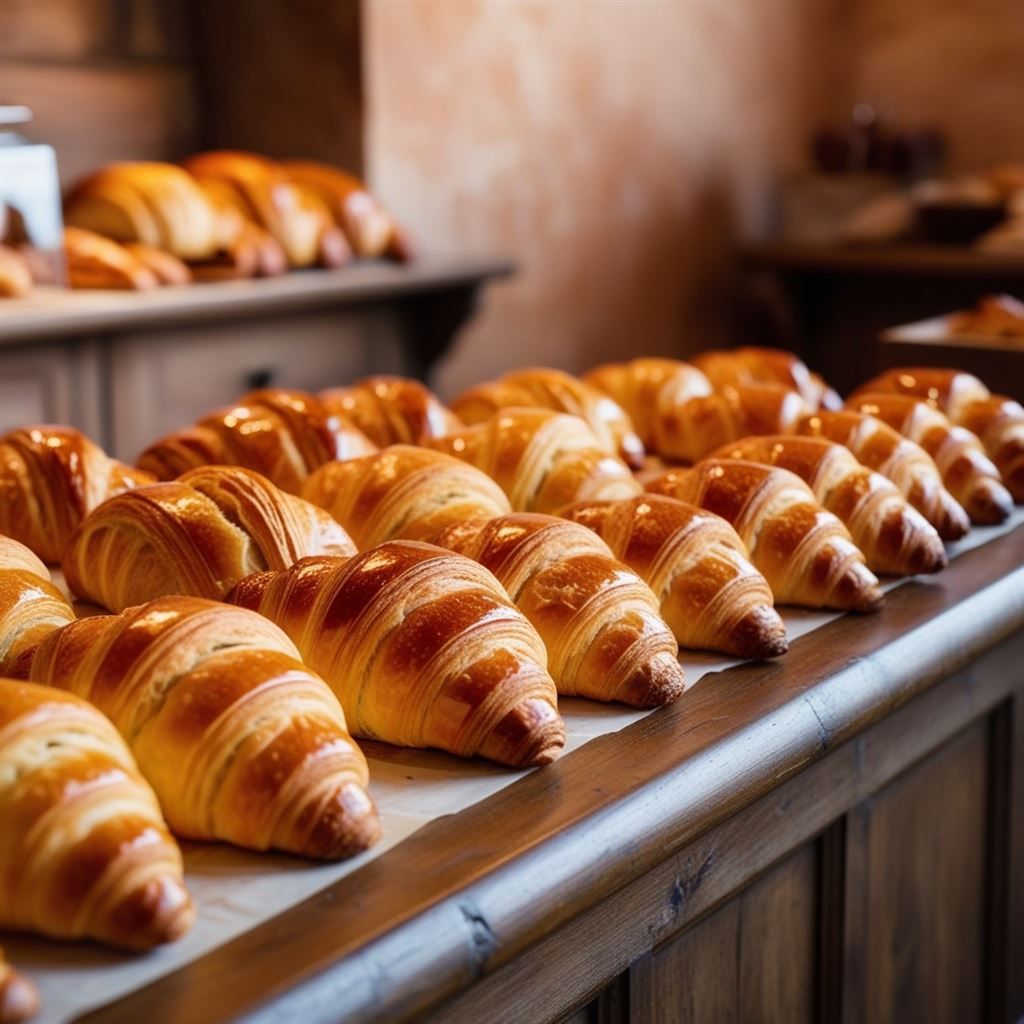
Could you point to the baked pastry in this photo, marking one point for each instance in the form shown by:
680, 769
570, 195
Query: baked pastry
995, 316
403, 492
282, 434
422, 648
15, 276
907, 465
96, 262
30, 607
14, 555
84, 851
198, 535
710, 594
542, 460
369, 228
804, 552
247, 250
18, 997
967, 472
392, 410
50, 479
166, 268
997, 420
598, 619
552, 389
754, 365
240, 741
895, 538
261, 191
157, 204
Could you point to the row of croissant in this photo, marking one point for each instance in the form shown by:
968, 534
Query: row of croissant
218, 216
298, 570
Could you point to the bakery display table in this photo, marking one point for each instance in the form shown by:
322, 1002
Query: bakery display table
841, 296
838, 835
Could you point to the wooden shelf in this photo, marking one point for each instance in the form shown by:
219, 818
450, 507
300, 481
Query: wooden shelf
53, 313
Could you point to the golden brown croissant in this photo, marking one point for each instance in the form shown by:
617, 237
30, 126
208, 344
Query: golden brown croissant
14, 555
997, 420
598, 619
84, 851
906, 464
50, 479
156, 204
754, 365
422, 648
166, 268
805, 552
18, 997
403, 492
967, 472
369, 228
392, 410
542, 460
261, 190
198, 535
30, 607
96, 262
15, 276
552, 389
895, 538
240, 741
711, 596
283, 435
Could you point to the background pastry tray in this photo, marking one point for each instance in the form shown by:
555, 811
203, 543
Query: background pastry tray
235, 891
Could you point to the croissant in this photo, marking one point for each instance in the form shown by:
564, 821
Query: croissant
50, 479
422, 648
239, 740
542, 460
403, 492
711, 596
561, 392
84, 851
597, 618
18, 997
895, 538
804, 552
753, 365
15, 276
30, 607
14, 555
156, 204
96, 262
906, 464
284, 435
167, 269
391, 410
198, 535
967, 472
261, 190
997, 420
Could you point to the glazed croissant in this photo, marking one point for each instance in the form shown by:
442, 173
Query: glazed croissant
30, 607
906, 464
967, 472
997, 420
711, 596
598, 619
805, 552
198, 535
403, 492
18, 997
895, 538
391, 410
552, 389
542, 460
84, 851
422, 648
239, 740
284, 435
753, 365
50, 479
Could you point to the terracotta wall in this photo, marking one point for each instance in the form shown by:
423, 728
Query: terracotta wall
616, 149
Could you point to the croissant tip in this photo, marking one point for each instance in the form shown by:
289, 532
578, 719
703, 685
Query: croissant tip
759, 634
870, 600
158, 912
953, 524
989, 506
659, 681
530, 735
345, 825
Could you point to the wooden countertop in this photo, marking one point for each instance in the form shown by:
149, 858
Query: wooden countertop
467, 894
50, 313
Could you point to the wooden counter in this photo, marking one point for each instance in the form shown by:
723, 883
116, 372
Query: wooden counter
835, 836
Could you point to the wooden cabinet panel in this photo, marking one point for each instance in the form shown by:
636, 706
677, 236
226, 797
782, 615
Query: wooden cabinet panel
754, 959
924, 894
